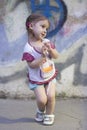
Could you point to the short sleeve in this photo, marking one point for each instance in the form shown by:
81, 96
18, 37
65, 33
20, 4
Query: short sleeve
52, 45
28, 57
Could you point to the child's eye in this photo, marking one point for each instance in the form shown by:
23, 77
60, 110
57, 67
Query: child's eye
43, 26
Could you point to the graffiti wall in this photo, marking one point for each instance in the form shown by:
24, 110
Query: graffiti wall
68, 24
68, 31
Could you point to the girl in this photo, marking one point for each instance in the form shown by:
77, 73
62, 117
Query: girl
38, 52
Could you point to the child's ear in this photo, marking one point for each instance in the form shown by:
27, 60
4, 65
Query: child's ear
31, 26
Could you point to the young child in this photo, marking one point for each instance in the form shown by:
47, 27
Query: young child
38, 53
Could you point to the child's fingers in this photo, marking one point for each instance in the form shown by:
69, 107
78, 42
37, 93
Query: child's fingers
47, 45
44, 48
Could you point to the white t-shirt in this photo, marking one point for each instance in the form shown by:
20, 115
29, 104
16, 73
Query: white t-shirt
42, 74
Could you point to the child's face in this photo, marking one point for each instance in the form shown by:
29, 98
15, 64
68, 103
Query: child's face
40, 29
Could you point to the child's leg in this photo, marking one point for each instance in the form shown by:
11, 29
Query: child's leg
50, 90
41, 97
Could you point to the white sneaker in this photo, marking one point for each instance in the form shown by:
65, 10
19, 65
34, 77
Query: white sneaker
48, 119
39, 116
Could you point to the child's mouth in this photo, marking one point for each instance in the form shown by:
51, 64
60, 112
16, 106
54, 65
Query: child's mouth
43, 35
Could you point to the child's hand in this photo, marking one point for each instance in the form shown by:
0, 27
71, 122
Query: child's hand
44, 50
47, 45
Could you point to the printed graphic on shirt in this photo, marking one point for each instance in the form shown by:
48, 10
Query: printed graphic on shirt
47, 69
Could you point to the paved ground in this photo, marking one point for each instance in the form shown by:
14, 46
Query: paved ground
71, 114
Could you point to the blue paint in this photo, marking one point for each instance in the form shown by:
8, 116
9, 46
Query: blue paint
64, 44
46, 10
3, 40
10, 51
76, 36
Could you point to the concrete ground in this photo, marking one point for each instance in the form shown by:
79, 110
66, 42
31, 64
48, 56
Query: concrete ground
70, 114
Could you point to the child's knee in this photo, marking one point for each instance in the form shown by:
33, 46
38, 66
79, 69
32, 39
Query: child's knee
43, 100
51, 97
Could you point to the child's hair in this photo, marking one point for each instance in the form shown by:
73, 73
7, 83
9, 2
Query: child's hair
34, 18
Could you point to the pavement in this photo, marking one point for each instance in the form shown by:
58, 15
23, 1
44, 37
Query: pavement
70, 114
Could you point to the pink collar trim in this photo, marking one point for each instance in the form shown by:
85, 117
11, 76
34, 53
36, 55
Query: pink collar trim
34, 48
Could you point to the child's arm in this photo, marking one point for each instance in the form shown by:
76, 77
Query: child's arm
37, 62
52, 51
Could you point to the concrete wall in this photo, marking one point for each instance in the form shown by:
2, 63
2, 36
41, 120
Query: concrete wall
68, 31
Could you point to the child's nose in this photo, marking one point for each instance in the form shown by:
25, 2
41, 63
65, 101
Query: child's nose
45, 31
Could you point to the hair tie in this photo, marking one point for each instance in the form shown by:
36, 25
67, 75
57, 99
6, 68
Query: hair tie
28, 24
